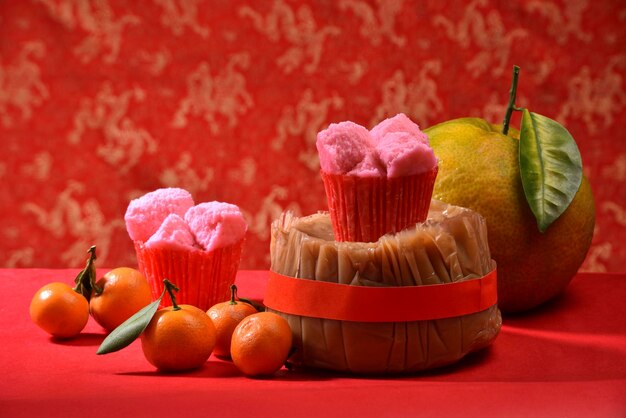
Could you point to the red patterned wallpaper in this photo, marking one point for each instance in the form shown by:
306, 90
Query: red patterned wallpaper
104, 100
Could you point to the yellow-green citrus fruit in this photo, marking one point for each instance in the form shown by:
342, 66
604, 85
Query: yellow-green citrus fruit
479, 169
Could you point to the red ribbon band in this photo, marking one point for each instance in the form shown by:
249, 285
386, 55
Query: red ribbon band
328, 300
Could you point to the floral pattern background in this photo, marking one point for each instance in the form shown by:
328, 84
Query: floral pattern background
104, 100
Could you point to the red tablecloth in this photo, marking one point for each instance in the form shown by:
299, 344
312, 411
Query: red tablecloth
565, 359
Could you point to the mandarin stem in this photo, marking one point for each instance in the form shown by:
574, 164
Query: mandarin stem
170, 287
511, 106
233, 294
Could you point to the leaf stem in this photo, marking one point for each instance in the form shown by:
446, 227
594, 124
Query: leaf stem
170, 287
511, 106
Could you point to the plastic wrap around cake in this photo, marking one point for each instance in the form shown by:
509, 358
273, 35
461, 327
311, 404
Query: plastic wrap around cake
449, 248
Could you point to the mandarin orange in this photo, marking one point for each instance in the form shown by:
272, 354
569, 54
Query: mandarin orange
118, 295
59, 310
178, 339
226, 316
261, 343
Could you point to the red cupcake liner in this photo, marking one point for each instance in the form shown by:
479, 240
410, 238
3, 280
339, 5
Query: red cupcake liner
203, 277
362, 209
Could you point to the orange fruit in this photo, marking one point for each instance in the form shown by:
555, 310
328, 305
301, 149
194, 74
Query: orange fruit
226, 316
479, 169
176, 340
123, 292
59, 310
261, 343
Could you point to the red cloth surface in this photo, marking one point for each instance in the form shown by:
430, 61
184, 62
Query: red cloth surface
565, 359
104, 100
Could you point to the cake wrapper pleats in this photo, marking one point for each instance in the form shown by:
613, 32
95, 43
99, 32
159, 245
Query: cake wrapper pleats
203, 277
363, 209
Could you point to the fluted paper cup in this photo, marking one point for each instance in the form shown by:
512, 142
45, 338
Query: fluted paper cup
203, 277
363, 209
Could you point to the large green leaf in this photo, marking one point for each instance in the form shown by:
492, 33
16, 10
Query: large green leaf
550, 167
129, 330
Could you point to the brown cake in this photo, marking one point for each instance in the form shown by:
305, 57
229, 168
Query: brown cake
449, 247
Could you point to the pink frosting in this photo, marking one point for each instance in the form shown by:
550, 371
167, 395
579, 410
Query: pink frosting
403, 155
216, 224
174, 233
398, 123
395, 147
347, 148
145, 215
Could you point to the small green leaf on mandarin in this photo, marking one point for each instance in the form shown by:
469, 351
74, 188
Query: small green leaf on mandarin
550, 167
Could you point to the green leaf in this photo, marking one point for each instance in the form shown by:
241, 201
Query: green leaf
550, 167
129, 330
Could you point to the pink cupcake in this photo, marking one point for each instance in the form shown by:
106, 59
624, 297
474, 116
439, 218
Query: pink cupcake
196, 247
379, 181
